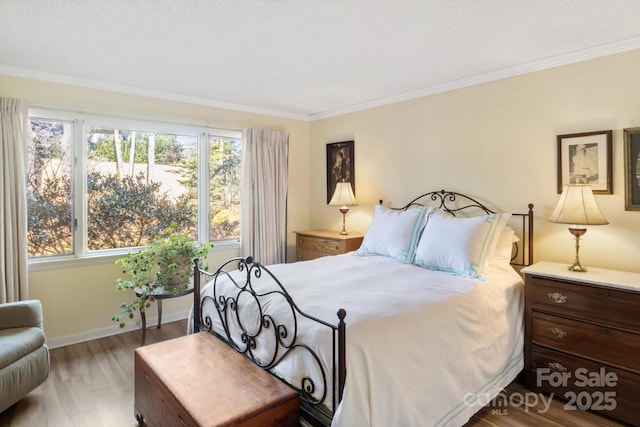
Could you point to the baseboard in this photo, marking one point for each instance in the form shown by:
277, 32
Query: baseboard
112, 330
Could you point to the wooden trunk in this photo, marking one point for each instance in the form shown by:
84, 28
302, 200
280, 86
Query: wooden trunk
198, 380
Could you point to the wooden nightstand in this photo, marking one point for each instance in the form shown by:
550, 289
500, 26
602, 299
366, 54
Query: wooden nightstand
311, 244
582, 337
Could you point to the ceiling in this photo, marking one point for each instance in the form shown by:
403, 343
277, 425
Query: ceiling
305, 59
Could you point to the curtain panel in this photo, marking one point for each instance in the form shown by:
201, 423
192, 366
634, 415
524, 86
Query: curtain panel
14, 131
264, 195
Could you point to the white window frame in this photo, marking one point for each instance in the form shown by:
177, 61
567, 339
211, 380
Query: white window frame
79, 190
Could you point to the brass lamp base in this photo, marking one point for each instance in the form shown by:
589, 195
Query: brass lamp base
577, 232
576, 266
343, 211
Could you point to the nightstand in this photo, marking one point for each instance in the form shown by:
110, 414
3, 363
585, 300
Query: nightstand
582, 338
311, 244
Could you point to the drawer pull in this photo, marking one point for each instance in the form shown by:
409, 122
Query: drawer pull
556, 367
604, 331
558, 298
557, 333
605, 293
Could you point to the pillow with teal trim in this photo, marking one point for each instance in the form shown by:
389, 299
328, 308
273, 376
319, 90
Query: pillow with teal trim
504, 248
394, 233
462, 246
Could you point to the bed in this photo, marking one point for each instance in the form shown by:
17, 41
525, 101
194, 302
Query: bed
421, 326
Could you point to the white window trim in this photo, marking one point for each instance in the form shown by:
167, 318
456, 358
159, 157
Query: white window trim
81, 121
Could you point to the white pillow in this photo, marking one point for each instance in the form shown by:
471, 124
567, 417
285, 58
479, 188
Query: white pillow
394, 233
504, 248
459, 245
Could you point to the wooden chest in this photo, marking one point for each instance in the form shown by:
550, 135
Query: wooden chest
313, 244
582, 338
198, 380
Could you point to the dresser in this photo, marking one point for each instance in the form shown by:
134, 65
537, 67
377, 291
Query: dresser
311, 244
582, 338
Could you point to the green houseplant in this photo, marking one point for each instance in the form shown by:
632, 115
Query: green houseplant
166, 263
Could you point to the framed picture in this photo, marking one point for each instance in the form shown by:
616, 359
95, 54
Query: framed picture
632, 169
340, 166
585, 158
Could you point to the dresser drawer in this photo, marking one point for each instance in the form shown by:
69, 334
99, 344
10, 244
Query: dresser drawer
306, 254
328, 246
312, 244
611, 306
609, 345
547, 362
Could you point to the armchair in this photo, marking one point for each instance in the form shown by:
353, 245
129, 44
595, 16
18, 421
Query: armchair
24, 356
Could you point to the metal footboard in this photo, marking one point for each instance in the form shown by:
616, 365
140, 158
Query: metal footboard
265, 340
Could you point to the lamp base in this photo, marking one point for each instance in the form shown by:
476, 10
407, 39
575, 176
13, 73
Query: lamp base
577, 232
577, 267
343, 211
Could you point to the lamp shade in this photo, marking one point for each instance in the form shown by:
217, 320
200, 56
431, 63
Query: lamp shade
343, 196
577, 206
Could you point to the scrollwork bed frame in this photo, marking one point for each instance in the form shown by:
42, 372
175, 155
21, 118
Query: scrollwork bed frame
281, 335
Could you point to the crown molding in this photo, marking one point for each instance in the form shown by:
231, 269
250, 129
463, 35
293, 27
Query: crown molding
552, 62
131, 90
556, 61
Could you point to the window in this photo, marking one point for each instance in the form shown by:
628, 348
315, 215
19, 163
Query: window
225, 187
140, 186
49, 184
102, 184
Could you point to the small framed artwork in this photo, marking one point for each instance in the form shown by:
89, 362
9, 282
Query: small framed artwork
632, 169
340, 166
585, 158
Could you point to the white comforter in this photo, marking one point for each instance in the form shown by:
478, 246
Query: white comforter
424, 348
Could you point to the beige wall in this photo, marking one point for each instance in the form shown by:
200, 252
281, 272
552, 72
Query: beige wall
79, 301
496, 141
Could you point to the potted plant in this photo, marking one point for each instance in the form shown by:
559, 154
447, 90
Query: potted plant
166, 263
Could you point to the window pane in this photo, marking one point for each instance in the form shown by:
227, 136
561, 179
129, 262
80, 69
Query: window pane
49, 178
225, 188
141, 186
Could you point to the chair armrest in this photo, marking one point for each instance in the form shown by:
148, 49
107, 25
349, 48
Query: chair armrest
21, 314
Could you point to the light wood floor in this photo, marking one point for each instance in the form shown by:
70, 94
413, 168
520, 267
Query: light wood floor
91, 384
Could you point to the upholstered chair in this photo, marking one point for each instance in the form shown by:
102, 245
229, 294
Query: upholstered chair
24, 356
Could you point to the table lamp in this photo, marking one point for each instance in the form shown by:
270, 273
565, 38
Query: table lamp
343, 197
577, 207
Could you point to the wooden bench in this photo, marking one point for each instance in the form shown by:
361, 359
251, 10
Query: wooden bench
198, 380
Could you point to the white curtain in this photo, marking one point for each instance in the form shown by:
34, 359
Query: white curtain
14, 122
264, 195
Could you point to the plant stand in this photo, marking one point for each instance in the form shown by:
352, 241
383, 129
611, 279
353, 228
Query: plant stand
159, 295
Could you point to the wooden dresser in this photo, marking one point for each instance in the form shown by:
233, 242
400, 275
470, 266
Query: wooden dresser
313, 244
582, 338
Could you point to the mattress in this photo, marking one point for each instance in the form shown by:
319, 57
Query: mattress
423, 347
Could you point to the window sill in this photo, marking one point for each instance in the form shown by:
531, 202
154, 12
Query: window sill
102, 258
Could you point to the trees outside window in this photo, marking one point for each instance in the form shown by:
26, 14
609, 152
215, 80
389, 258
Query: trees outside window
224, 181
49, 184
111, 187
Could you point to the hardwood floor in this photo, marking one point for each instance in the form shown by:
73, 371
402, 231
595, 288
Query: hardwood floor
91, 384
514, 416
